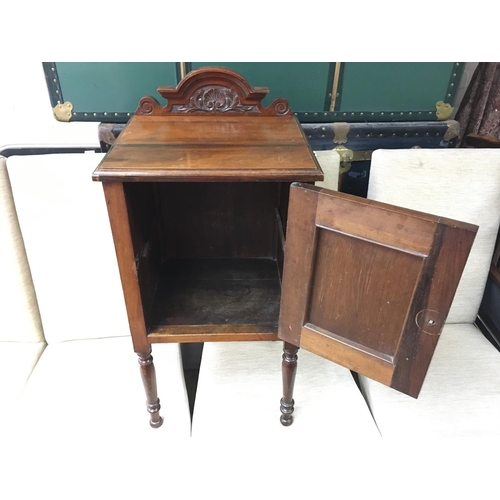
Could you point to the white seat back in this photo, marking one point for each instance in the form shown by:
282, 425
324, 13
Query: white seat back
19, 316
64, 221
462, 184
329, 161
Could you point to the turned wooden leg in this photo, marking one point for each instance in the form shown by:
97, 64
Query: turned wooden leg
148, 375
289, 369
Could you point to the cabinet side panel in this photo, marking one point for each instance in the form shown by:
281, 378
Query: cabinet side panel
120, 227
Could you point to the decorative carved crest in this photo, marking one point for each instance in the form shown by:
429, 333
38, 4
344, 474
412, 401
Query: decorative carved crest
212, 91
216, 99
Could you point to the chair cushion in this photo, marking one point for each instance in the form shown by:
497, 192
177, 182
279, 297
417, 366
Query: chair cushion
240, 387
20, 318
66, 231
94, 387
17, 360
462, 184
460, 395
81, 429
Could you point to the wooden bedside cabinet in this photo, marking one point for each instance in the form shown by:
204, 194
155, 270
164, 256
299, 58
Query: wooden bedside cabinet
200, 204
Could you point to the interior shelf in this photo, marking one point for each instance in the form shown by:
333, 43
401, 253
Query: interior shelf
216, 297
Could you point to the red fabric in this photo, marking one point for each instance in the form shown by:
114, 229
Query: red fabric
479, 112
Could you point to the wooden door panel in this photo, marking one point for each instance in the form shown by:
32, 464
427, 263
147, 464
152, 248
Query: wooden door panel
378, 222
345, 275
369, 285
354, 356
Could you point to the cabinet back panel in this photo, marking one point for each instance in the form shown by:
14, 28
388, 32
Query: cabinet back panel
218, 220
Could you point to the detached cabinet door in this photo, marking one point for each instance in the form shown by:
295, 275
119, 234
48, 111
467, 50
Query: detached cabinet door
369, 285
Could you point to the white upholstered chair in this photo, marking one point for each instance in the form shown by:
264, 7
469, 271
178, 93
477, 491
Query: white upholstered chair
87, 383
240, 386
21, 336
461, 393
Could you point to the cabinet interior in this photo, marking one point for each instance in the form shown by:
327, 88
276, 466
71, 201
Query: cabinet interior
209, 257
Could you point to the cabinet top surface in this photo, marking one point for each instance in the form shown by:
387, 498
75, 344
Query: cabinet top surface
212, 129
210, 148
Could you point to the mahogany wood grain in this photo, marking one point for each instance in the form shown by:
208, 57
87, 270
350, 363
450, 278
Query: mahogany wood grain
352, 275
216, 299
213, 90
433, 298
199, 203
280, 244
371, 286
289, 370
148, 375
235, 131
356, 357
144, 218
206, 177
281, 221
376, 224
211, 136
218, 220
212, 333
299, 257
120, 228
208, 164
284, 196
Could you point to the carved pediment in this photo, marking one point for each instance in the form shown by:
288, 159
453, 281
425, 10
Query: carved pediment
212, 91
214, 99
